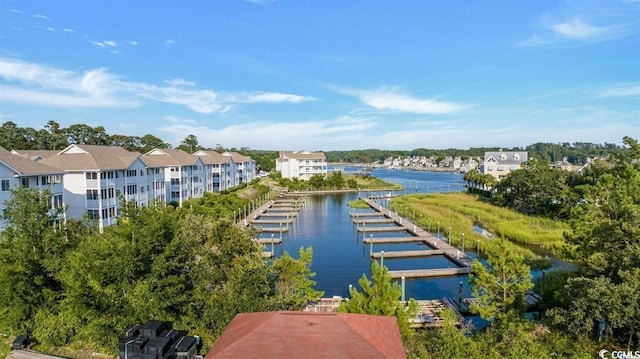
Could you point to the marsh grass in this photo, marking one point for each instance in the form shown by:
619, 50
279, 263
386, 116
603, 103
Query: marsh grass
461, 212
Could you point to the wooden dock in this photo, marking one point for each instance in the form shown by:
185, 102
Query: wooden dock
269, 241
273, 229
429, 273
388, 240
277, 214
283, 209
271, 221
408, 254
373, 221
381, 229
367, 214
458, 256
430, 314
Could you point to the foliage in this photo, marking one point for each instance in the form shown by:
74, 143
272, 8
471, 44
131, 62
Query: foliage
500, 290
380, 296
536, 189
32, 250
358, 203
606, 236
293, 280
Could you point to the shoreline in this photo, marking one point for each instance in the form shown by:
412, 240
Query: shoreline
427, 169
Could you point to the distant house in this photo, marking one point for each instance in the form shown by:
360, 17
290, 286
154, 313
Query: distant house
301, 164
245, 167
566, 165
309, 335
500, 163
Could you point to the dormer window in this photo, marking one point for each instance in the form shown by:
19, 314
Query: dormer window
516, 156
503, 156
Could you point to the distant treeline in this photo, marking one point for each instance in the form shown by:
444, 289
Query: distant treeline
55, 137
576, 152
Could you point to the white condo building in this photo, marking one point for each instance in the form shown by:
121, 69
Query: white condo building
92, 180
301, 164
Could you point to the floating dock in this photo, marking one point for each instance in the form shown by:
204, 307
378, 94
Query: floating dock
391, 240
408, 254
429, 273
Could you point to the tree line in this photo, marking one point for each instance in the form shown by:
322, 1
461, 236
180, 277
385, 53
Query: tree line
66, 285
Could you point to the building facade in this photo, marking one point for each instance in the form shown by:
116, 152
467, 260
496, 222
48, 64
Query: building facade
500, 163
301, 164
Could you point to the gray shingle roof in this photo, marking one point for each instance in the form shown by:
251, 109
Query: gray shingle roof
161, 157
303, 155
24, 166
509, 160
92, 157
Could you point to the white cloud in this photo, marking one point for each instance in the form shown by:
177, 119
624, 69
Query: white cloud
16, 11
576, 29
67, 30
110, 43
46, 85
389, 100
341, 132
622, 90
170, 42
39, 16
104, 44
51, 29
260, 2
133, 43
272, 97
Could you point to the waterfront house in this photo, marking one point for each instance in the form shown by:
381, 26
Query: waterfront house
301, 164
245, 167
309, 335
182, 173
500, 163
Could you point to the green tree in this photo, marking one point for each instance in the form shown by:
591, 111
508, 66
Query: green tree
32, 250
190, 144
293, 283
500, 289
380, 297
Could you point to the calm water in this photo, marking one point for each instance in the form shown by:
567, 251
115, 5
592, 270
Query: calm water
340, 259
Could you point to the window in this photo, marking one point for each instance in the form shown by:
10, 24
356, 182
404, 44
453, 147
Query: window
514, 167
45, 180
503, 156
107, 193
92, 194
6, 185
500, 168
24, 181
93, 213
175, 194
57, 201
131, 173
175, 181
132, 189
490, 168
516, 156
91, 175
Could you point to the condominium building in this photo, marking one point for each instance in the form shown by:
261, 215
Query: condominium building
16, 171
183, 173
245, 167
93, 180
301, 164
219, 171
96, 178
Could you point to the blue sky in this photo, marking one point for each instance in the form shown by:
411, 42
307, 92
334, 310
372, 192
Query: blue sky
327, 75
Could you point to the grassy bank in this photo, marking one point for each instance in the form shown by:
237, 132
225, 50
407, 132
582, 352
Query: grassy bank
457, 213
368, 182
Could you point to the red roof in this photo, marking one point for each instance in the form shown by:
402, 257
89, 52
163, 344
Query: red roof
309, 335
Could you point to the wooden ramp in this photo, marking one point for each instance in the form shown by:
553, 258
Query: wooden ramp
429, 273
408, 254
387, 240
430, 314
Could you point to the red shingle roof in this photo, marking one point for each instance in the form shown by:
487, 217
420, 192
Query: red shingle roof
309, 335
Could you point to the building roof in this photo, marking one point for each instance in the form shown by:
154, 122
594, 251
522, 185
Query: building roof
162, 157
35, 155
309, 335
303, 155
510, 157
212, 157
91, 157
25, 166
237, 158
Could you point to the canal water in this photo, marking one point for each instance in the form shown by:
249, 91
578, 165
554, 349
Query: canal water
339, 256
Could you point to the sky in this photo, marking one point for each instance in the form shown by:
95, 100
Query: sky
327, 75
